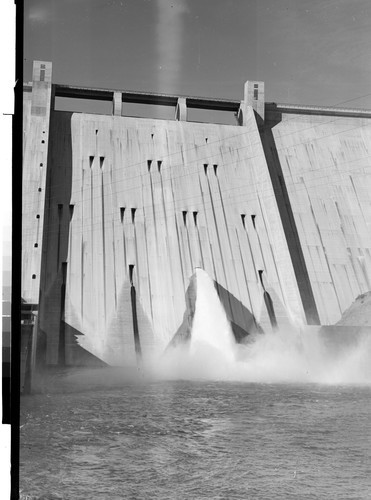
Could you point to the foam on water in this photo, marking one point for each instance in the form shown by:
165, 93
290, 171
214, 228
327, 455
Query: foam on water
292, 355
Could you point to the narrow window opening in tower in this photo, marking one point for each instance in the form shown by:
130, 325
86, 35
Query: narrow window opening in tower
133, 210
43, 142
39, 190
91, 160
42, 75
152, 136
243, 220
37, 216
36, 245
122, 213
253, 220
41, 164
96, 131
184, 213
159, 163
149, 163
205, 167
195, 217
206, 139
215, 169
101, 161
34, 276
256, 91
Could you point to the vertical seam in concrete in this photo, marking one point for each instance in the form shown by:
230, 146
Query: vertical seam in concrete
60, 215
147, 259
92, 215
82, 240
244, 273
207, 231
154, 212
324, 253
261, 249
356, 195
172, 274
82, 278
114, 262
252, 255
103, 248
217, 232
177, 233
350, 255
136, 255
228, 236
124, 246
200, 247
274, 260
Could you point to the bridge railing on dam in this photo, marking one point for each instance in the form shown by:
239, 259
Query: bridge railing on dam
118, 98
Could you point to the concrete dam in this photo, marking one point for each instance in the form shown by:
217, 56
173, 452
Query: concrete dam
120, 211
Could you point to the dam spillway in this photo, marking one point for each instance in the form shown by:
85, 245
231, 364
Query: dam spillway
277, 204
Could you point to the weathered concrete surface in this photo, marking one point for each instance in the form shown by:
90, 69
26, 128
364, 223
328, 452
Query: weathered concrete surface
165, 197
35, 148
324, 164
278, 206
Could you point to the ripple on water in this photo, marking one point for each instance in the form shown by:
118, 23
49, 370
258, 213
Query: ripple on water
197, 440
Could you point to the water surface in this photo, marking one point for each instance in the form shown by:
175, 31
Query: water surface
196, 440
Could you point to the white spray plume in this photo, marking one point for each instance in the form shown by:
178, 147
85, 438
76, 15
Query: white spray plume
292, 355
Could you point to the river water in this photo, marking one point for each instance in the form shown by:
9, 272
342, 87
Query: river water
286, 416
142, 439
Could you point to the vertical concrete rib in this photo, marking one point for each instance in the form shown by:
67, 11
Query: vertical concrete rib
288, 222
324, 253
147, 263
114, 263
82, 278
245, 276
207, 231
103, 246
272, 254
228, 236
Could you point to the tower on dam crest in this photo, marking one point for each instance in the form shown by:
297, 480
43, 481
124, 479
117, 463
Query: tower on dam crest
119, 211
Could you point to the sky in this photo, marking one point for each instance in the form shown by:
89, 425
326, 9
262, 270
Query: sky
306, 51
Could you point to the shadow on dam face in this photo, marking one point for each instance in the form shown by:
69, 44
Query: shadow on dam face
273, 118
242, 320
54, 266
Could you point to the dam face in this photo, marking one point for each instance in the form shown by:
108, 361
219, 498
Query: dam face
276, 210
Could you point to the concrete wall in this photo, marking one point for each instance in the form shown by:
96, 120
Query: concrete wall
35, 147
324, 165
279, 205
166, 197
